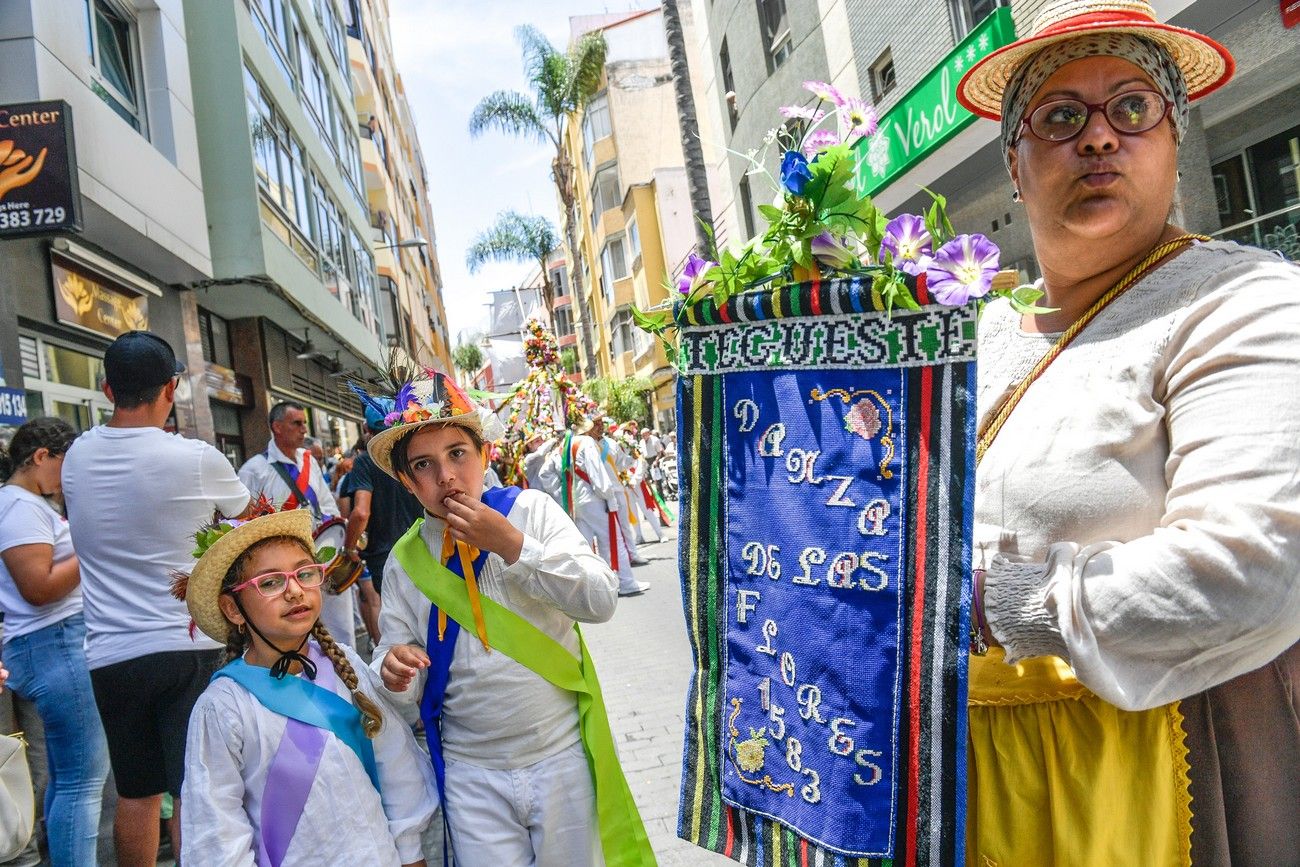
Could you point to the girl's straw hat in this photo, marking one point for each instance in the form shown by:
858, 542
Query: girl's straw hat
433, 399
1206, 65
219, 546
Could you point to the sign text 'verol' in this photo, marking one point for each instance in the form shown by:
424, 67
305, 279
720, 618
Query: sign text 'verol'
929, 115
38, 169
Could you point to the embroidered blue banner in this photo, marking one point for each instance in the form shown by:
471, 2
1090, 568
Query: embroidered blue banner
814, 552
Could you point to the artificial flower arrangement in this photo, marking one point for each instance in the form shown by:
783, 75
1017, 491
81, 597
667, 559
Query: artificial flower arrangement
820, 227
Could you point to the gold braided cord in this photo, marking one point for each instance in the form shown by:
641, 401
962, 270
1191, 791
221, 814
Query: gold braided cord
999, 417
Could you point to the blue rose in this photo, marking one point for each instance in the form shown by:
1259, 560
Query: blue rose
795, 173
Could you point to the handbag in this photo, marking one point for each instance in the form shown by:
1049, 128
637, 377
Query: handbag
17, 797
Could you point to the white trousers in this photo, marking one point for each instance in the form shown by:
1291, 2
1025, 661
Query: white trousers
593, 522
338, 613
540, 816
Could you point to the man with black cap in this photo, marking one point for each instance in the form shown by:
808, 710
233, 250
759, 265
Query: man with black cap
135, 496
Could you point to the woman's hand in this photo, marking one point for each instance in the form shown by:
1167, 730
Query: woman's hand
4, 676
401, 665
477, 524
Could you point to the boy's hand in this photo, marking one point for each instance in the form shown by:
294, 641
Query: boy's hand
477, 524
401, 665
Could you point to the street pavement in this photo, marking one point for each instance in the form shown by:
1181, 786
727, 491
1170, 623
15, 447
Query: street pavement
644, 661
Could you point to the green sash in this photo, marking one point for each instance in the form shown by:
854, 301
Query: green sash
622, 836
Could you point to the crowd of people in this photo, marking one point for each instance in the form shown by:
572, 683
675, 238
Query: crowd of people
157, 601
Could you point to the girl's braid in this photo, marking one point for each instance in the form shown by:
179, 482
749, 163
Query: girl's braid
371, 718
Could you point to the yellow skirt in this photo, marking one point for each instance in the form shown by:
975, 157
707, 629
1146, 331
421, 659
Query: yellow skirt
1057, 776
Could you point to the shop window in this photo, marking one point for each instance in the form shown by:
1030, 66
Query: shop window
1258, 194
967, 14
115, 54
70, 367
883, 77
775, 26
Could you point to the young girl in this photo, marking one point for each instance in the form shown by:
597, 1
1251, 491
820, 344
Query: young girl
290, 757
478, 623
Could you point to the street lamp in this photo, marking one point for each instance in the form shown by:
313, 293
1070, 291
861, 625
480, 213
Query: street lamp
417, 241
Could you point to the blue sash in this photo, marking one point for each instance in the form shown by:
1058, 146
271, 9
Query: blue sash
300, 699
440, 652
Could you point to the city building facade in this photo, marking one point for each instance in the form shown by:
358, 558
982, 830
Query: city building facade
321, 249
102, 224
634, 218
1240, 160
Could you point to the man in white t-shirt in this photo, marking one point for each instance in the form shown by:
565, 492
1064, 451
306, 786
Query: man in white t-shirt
135, 497
287, 471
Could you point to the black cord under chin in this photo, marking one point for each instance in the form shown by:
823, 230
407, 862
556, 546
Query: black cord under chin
287, 657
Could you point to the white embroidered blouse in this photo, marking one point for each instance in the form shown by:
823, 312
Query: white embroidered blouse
496, 712
1145, 494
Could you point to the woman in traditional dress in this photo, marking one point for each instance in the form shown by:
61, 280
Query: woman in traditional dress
1138, 492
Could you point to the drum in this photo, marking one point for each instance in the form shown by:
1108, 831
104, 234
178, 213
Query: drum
340, 572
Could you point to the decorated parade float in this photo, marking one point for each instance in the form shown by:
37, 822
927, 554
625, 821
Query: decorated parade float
826, 413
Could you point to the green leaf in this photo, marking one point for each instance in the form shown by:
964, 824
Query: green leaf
771, 213
654, 322
936, 219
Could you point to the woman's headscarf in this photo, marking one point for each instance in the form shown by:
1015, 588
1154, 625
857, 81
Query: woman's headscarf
1146, 55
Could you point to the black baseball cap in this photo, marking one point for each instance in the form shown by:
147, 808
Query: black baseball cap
138, 360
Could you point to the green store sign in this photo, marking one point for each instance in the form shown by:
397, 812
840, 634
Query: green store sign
929, 114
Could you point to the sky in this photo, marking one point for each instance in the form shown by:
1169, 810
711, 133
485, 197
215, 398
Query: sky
452, 53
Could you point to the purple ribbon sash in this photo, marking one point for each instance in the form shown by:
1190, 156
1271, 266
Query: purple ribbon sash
292, 772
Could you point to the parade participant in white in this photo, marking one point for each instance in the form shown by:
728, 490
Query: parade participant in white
265, 784
620, 463
594, 495
518, 788
278, 474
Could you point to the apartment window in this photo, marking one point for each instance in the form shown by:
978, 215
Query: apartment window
967, 14
364, 262
115, 54
775, 25
633, 239
563, 322
883, 77
214, 334
615, 258
352, 11
622, 333
280, 159
604, 192
728, 83
334, 34
558, 283
595, 126
272, 20
746, 207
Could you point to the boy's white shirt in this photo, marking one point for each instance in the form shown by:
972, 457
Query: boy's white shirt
496, 712
231, 741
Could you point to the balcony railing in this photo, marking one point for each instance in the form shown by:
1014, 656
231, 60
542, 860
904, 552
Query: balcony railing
1278, 231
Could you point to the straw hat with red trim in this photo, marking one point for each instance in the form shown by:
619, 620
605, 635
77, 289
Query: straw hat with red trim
1206, 65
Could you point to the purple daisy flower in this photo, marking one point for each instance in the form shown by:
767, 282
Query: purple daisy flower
824, 91
908, 243
962, 269
818, 141
803, 112
857, 119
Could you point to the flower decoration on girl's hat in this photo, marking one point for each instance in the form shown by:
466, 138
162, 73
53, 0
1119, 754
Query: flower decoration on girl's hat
1205, 64
218, 545
421, 397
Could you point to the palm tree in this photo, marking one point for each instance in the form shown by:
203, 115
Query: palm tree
697, 181
516, 237
562, 84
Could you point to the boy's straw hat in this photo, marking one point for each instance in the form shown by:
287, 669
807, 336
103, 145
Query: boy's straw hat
1206, 65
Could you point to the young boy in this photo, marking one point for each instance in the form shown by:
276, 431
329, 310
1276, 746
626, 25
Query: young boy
481, 600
